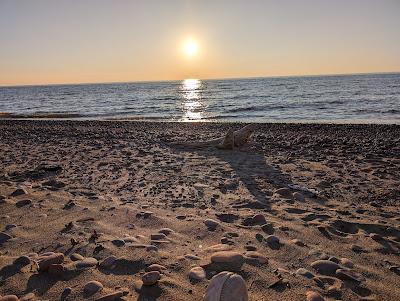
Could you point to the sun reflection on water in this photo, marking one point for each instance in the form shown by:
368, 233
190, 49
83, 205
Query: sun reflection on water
192, 105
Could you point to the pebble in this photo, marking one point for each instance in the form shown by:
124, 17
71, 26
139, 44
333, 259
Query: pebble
228, 260
305, 273
191, 257
76, 257
259, 237
4, 237
108, 262
22, 260
151, 278
314, 296
257, 219
272, 240
9, 298
18, 192
226, 286
268, 228
211, 224
285, 192
92, 287
118, 242
156, 267
158, 236
47, 259
10, 226
86, 263
197, 273
325, 267
255, 257
351, 275
298, 242
166, 231
111, 297
299, 197
23, 203
346, 262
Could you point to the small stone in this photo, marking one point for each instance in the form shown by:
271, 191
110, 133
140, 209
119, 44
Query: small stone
76, 257
10, 226
4, 237
298, 242
166, 231
22, 260
23, 203
268, 228
314, 296
226, 286
92, 287
325, 267
259, 237
350, 275
357, 248
118, 242
156, 267
228, 260
211, 224
45, 260
9, 298
108, 262
255, 258
111, 296
86, 263
158, 236
305, 273
346, 262
151, 278
18, 192
272, 241
197, 273
285, 192
298, 196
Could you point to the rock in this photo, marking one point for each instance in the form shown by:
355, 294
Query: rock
268, 228
158, 236
22, 260
349, 275
226, 286
257, 219
156, 267
298, 242
211, 224
305, 273
197, 273
4, 237
111, 297
18, 192
272, 241
151, 278
45, 260
314, 296
23, 203
299, 197
228, 260
346, 262
259, 237
255, 258
166, 231
357, 248
118, 242
108, 262
86, 263
10, 226
92, 287
285, 192
9, 298
76, 257
325, 267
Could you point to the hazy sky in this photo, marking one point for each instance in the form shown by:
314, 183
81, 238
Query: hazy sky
57, 41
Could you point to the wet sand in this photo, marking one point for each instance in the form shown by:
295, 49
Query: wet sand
307, 207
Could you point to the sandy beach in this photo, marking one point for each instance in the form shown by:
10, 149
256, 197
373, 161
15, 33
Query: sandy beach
90, 209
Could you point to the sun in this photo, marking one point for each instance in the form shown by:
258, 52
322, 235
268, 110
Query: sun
190, 47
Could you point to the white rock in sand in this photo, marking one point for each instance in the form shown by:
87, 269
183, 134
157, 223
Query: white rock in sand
197, 273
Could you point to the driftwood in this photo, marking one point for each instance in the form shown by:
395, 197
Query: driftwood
231, 140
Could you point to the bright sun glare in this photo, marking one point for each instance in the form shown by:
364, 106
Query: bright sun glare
190, 47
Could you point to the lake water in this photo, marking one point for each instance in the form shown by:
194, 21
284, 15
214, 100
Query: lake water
371, 98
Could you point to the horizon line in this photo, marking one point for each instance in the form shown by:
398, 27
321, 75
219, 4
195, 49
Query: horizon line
202, 79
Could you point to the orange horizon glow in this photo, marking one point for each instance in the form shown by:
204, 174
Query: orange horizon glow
60, 43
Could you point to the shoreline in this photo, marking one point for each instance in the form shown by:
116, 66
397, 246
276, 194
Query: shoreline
107, 190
